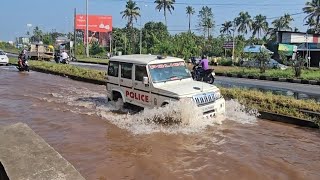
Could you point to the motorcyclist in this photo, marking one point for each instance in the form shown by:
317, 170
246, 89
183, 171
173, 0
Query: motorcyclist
204, 64
64, 56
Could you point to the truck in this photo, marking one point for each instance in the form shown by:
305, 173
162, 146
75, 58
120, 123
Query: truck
155, 81
40, 52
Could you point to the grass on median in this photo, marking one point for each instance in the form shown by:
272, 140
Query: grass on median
269, 102
66, 69
311, 74
277, 104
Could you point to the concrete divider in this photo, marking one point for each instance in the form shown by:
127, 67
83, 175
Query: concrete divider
286, 119
25, 155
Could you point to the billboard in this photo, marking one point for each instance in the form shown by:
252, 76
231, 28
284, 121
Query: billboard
96, 23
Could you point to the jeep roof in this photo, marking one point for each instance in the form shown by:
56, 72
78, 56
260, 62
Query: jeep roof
144, 58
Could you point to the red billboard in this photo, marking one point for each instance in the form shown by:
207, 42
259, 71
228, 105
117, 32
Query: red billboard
96, 23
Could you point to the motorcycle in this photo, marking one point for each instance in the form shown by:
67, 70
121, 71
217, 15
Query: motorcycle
198, 74
23, 65
65, 61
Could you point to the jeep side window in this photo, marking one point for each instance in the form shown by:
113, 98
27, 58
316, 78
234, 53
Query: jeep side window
140, 72
126, 70
113, 69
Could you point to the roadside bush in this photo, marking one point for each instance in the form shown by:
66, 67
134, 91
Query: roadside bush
225, 62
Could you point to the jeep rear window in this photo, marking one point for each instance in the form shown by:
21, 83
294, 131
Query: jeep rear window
113, 69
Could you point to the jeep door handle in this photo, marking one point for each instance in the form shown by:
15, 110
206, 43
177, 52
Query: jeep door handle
136, 84
121, 80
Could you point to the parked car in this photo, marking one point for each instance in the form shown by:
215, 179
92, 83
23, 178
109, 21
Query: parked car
4, 60
270, 64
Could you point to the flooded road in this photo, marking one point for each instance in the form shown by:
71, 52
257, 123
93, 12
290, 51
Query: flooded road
77, 121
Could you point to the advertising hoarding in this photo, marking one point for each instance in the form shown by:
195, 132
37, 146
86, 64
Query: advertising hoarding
97, 23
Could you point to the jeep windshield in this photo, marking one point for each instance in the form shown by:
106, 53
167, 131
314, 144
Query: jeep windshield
168, 72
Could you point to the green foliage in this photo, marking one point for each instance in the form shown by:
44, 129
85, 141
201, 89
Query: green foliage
263, 57
7, 47
206, 21
95, 49
225, 62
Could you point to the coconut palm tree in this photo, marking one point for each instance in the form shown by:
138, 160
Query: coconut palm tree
286, 20
190, 11
312, 8
259, 25
277, 24
226, 27
165, 5
243, 22
131, 13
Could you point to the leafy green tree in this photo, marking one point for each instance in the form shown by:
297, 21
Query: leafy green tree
263, 57
47, 39
259, 25
206, 22
95, 49
243, 22
190, 11
298, 64
153, 33
37, 34
131, 13
312, 8
165, 5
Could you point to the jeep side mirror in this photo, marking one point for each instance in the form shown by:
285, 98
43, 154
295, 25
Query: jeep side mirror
145, 80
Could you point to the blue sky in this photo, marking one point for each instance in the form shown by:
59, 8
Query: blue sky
58, 14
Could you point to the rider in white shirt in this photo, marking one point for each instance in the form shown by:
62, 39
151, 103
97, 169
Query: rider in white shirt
64, 55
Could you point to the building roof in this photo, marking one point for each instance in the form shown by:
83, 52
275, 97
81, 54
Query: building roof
255, 49
143, 59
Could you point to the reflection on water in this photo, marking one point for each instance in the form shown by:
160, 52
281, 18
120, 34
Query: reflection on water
277, 91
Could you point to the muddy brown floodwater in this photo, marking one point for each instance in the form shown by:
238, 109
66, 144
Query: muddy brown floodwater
76, 120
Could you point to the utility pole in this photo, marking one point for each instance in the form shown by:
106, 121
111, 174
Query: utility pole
140, 36
74, 33
87, 30
233, 43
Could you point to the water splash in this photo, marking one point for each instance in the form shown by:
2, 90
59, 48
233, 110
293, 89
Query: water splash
239, 113
177, 117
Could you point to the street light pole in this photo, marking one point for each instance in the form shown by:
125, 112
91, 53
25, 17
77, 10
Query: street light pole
87, 31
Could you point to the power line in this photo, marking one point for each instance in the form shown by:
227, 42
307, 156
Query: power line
219, 4
294, 14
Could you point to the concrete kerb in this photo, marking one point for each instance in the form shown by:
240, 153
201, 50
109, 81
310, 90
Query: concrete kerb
298, 81
264, 115
25, 155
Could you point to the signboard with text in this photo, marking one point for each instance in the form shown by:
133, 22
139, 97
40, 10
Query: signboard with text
228, 45
96, 23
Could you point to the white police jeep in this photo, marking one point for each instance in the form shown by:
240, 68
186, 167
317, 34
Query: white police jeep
154, 81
